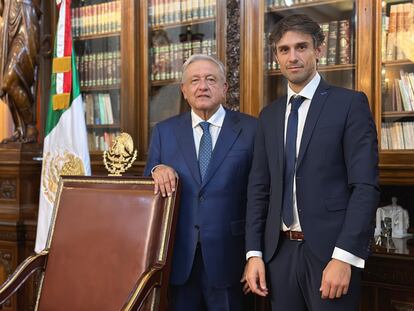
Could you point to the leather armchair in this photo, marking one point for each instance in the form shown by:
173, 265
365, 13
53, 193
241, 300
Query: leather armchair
109, 247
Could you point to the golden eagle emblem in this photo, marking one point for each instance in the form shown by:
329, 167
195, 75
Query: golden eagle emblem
54, 165
121, 156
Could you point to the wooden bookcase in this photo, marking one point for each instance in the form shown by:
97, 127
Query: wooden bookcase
142, 40
129, 57
395, 121
107, 65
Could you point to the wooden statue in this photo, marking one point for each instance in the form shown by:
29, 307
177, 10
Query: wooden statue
19, 47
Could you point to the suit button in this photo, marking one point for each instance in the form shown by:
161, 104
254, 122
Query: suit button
197, 227
201, 198
299, 210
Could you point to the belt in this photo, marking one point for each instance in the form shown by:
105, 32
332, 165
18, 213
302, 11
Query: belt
294, 235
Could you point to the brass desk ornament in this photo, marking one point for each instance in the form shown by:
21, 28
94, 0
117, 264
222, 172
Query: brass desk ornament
120, 156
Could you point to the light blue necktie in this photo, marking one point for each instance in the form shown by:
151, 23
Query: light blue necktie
206, 147
290, 160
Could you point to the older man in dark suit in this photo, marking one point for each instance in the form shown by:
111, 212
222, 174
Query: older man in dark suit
210, 149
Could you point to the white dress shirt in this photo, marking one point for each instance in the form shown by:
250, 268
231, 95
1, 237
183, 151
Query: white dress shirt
308, 91
216, 122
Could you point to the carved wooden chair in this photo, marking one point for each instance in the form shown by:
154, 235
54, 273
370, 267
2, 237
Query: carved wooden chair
109, 247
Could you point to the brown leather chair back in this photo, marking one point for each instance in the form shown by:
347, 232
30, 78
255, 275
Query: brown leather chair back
106, 232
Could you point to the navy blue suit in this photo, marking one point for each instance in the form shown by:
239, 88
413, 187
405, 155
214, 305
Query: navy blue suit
214, 210
336, 176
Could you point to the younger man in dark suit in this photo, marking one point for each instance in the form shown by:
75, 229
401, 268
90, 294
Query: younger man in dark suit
210, 149
313, 186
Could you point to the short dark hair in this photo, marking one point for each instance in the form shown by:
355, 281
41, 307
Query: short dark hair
300, 23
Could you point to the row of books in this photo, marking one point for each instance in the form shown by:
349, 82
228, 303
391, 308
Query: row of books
337, 47
284, 3
164, 12
96, 19
402, 93
100, 109
101, 141
397, 30
167, 60
99, 69
397, 135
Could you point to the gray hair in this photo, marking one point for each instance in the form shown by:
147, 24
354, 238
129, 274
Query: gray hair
196, 57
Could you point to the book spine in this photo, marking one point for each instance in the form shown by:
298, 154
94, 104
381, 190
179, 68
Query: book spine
332, 42
344, 42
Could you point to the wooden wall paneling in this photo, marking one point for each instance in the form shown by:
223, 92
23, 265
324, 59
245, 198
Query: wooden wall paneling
251, 71
365, 33
143, 43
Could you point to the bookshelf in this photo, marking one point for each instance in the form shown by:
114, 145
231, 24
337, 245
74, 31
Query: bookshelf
337, 64
394, 70
174, 30
101, 32
96, 31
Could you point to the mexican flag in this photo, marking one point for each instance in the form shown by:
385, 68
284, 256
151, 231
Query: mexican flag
65, 148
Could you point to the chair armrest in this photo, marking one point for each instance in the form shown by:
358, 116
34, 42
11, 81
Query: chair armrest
23, 271
150, 279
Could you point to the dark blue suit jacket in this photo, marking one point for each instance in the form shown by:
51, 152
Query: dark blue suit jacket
217, 207
336, 178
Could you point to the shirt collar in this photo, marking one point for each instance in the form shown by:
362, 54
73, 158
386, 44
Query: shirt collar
308, 91
216, 119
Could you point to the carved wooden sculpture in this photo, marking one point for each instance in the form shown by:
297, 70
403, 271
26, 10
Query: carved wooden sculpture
19, 46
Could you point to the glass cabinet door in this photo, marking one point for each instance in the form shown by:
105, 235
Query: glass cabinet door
337, 19
96, 31
177, 29
397, 76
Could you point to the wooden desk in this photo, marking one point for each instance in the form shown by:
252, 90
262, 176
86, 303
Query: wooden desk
388, 279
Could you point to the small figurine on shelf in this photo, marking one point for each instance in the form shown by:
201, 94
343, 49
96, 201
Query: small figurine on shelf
399, 219
385, 237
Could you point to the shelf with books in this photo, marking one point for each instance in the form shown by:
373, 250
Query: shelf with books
98, 36
104, 126
90, 17
400, 62
395, 90
101, 139
326, 68
337, 62
165, 82
171, 49
176, 30
106, 60
167, 12
328, 5
397, 114
100, 88
184, 24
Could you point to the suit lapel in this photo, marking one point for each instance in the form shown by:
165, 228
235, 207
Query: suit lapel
228, 135
185, 138
318, 101
280, 131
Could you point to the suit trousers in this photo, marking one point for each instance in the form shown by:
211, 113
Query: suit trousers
295, 276
198, 294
